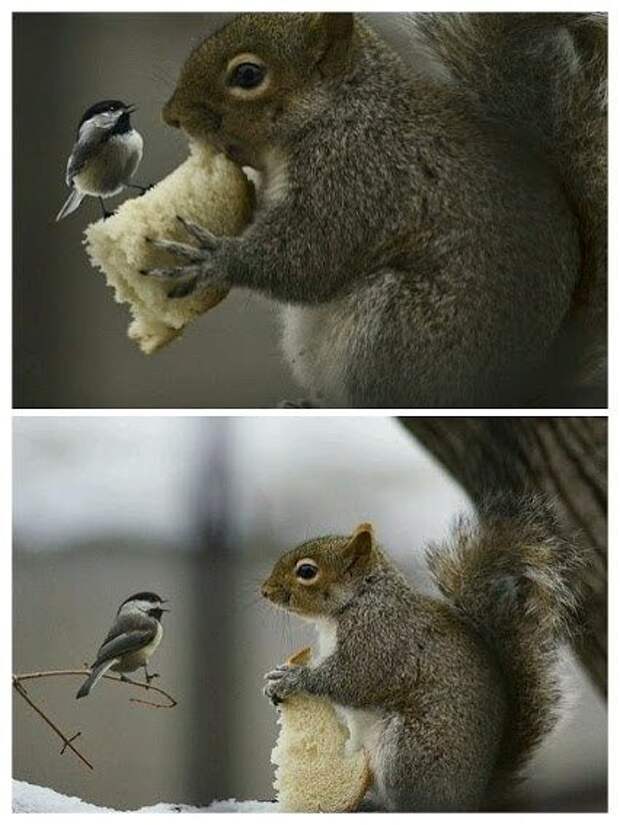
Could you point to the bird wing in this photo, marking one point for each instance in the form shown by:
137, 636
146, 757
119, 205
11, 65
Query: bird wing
128, 633
90, 137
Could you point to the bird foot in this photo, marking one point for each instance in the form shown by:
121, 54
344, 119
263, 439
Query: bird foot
150, 676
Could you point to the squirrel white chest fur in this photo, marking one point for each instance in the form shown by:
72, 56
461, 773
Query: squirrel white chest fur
274, 179
312, 337
365, 727
321, 342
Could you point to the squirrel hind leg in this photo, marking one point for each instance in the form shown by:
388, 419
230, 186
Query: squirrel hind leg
411, 777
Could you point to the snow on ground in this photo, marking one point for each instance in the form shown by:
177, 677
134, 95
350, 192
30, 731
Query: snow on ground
31, 799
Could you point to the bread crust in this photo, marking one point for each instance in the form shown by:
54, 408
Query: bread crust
207, 189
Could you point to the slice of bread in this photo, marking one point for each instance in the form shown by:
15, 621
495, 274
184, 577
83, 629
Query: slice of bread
207, 189
315, 772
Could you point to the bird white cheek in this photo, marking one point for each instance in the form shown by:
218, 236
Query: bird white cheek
135, 144
153, 645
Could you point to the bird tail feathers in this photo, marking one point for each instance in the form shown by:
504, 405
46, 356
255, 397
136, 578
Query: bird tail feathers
70, 205
95, 674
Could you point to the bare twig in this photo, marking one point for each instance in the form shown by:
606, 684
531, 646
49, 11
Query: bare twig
67, 741
44, 674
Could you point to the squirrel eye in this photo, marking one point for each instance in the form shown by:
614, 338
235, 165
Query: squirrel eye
306, 571
247, 76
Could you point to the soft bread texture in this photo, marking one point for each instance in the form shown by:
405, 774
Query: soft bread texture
207, 189
314, 770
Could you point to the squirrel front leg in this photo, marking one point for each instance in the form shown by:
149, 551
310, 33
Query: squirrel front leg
289, 253
332, 678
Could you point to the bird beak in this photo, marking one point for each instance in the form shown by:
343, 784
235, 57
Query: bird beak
129, 110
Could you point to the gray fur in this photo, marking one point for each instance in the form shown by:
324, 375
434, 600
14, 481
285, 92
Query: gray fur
462, 689
428, 242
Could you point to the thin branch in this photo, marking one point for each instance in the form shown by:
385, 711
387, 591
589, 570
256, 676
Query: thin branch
43, 674
67, 741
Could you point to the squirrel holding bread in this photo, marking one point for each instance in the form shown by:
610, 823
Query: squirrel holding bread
449, 695
432, 218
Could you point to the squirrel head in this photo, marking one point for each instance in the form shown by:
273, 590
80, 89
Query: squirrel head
246, 86
320, 577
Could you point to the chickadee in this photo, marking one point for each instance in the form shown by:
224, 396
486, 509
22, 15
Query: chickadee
105, 155
132, 640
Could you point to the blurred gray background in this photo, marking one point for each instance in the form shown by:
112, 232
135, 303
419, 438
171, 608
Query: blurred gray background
70, 343
198, 510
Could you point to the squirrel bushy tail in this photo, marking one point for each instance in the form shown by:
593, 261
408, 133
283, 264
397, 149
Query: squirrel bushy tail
545, 76
511, 575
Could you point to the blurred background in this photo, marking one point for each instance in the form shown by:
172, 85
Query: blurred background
198, 510
70, 342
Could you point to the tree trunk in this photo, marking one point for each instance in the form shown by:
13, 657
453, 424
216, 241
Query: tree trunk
562, 457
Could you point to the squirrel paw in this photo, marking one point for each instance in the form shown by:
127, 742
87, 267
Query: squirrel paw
198, 269
186, 279
283, 681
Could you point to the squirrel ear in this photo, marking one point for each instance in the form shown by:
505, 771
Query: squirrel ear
333, 32
360, 546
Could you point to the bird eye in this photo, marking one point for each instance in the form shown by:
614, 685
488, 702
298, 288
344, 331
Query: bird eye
247, 76
306, 570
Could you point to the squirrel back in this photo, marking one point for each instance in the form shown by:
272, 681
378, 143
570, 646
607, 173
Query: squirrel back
545, 76
511, 576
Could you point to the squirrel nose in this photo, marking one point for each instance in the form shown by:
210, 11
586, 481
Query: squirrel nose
268, 591
169, 114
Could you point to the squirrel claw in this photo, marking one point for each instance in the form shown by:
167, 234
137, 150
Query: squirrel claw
273, 697
183, 289
206, 239
182, 250
283, 681
186, 279
274, 675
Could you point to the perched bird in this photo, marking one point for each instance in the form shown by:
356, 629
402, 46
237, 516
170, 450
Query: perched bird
132, 640
106, 153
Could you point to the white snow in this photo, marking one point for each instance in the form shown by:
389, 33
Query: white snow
31, 799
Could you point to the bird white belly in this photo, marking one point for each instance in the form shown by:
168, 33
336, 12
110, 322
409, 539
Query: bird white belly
139, 658
107, 172
152, 646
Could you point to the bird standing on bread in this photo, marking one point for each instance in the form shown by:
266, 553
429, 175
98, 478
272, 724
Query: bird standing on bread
133, 638
105, 156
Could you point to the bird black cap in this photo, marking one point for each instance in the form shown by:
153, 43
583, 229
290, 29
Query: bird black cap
103, 106
144, 596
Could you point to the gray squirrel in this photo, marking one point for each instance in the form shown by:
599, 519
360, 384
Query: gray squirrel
450, 695
432, 216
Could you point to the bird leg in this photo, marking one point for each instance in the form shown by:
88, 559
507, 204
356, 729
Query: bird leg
143, 189
150, 676
106, 214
